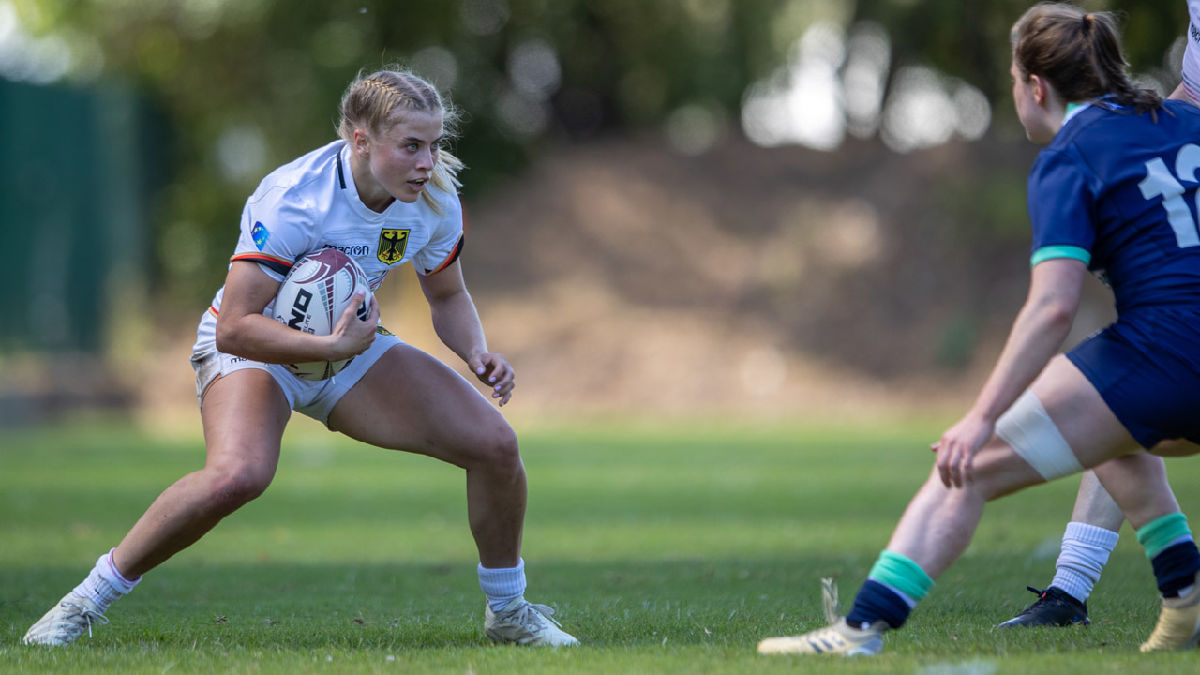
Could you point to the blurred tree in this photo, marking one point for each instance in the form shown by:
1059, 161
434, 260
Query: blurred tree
249, 84
970, 39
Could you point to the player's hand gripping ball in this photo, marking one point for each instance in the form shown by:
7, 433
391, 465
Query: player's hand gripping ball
313, 297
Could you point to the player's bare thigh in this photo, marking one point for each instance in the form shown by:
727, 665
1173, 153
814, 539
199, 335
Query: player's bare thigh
1081, 415
1088, 426
411, 401
243, 415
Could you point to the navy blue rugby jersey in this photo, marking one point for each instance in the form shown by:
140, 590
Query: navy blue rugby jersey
1118, 191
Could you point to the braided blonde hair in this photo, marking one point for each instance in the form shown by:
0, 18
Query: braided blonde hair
378, 100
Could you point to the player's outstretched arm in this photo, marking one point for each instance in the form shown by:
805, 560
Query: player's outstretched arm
457, 323
1037, 333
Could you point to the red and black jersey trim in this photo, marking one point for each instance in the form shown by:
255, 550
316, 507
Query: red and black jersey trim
273, 263
451, 258
341, 176
457, 247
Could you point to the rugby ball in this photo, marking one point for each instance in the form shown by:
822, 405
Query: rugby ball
313, 296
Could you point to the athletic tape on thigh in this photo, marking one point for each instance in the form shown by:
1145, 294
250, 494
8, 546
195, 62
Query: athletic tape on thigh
1027, 427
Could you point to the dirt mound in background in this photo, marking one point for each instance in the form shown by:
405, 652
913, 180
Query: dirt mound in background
620, 277
784, 281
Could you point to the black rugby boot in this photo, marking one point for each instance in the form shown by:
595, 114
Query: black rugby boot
1054, 607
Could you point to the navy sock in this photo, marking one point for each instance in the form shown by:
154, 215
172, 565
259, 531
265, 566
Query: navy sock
876, 602
1175, 567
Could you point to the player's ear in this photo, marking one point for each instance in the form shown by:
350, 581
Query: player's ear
360, 143
1041, 90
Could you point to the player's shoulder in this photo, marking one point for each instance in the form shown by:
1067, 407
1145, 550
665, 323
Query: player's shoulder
1186, 112
446, 202
439, 209
1104, 129
305, 183
1066, 146
1066, 163
1095, 121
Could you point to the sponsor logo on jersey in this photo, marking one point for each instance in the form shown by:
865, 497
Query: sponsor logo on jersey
354, 250
392, 244
260, 235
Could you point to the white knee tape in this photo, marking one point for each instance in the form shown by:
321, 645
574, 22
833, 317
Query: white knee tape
1027, 427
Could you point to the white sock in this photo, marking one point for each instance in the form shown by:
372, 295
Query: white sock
1085, 549
104, 584
503, 584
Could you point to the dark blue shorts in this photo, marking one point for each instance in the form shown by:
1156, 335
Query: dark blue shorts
1146, 367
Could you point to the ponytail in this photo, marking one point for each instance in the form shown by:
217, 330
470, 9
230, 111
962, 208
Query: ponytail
1079, 54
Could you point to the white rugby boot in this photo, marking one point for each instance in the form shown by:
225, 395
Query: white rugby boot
836, 638
65, 622
524, 623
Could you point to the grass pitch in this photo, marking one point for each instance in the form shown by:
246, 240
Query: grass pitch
663, 550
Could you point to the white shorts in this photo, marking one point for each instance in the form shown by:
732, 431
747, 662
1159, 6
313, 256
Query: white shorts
315, 399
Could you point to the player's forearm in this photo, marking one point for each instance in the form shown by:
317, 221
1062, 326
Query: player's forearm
1037, 334
260, 338
458, 326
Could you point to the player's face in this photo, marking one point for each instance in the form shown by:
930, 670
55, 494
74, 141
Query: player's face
1029, 110
400, 159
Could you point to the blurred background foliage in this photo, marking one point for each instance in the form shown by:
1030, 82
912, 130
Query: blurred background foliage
807, 191
247, 84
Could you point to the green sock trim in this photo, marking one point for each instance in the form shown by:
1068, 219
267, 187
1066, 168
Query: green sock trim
1160, 532
901, 574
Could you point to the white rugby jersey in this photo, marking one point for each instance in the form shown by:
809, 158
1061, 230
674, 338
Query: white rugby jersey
1191, 53
311, 203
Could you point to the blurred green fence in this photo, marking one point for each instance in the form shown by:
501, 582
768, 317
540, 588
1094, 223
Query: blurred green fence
78, 172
